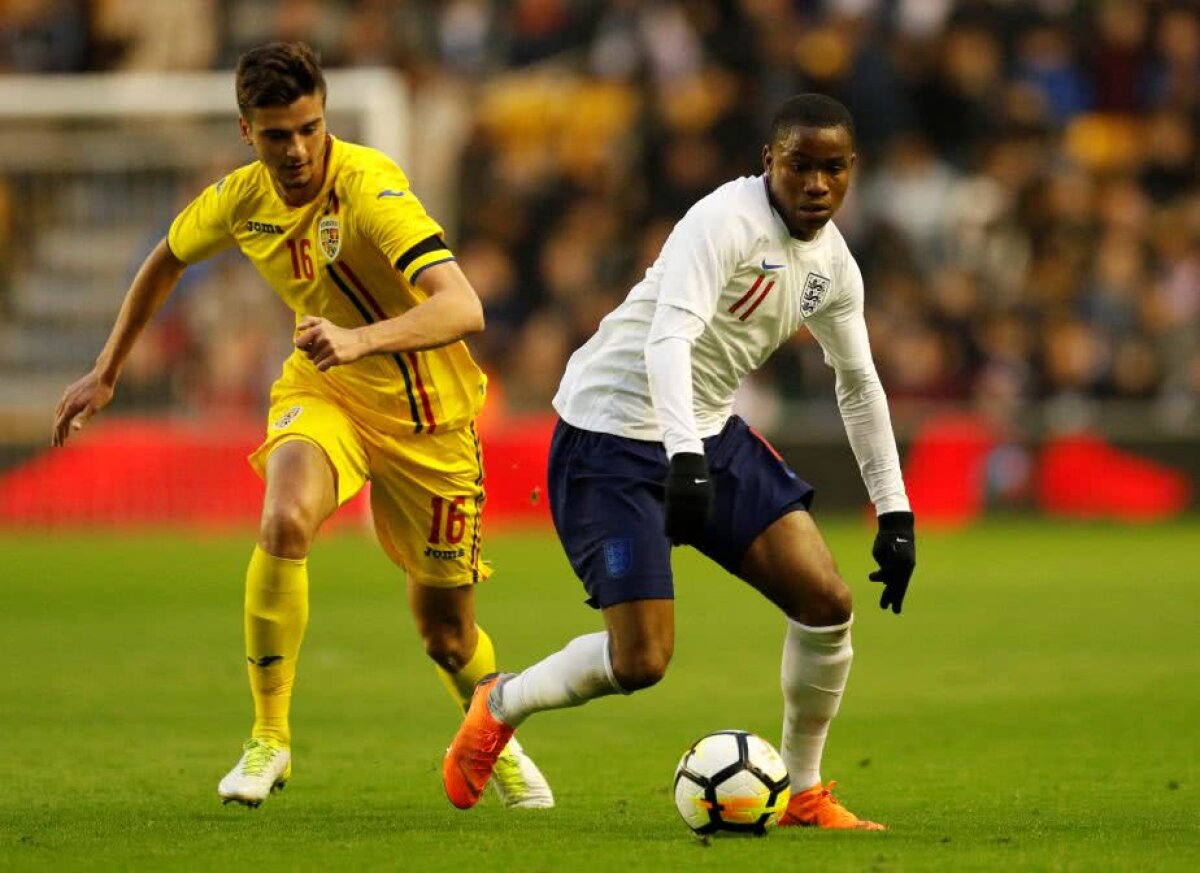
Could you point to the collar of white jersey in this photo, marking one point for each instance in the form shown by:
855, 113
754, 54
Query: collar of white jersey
798, 244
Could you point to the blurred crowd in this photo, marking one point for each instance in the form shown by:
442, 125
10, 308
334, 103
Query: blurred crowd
1026, 207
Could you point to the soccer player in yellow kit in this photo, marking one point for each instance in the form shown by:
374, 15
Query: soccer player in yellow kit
380, 387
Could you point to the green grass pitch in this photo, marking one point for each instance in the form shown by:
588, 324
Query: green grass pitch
1037, 707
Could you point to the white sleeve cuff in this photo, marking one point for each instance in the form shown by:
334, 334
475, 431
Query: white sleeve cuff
893, 503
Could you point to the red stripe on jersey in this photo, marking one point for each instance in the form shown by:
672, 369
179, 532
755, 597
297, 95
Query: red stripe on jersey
733, 309
344, 285
426, 405
412, 357
362, 289
754, 305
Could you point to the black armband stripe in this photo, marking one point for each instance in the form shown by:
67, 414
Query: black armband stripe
421, 269
426, 246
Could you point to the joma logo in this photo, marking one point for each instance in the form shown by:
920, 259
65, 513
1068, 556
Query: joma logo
262, 227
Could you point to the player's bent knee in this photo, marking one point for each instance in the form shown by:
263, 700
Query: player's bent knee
832, 604
287, 531
448, 647
640, 670
823, 602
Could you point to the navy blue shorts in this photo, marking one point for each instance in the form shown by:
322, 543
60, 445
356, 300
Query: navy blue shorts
606, 498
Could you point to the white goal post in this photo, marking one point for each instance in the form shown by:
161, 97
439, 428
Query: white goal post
377, 97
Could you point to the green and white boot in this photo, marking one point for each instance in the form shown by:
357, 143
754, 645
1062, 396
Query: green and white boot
265, 766
518, 780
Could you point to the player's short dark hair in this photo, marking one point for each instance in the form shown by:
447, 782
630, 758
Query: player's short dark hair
811, 110
277, 74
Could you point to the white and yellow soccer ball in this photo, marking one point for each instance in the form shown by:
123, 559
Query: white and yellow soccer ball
731, 781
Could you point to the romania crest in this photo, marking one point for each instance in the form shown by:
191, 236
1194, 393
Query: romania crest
329, 236
288, 417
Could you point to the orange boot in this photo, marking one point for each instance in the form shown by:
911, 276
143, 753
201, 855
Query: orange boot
816, 807
472, 755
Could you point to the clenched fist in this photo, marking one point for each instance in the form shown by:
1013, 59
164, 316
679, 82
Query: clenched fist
328, 345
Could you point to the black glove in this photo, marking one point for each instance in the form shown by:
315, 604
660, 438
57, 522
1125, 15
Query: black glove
689, 498
895, 551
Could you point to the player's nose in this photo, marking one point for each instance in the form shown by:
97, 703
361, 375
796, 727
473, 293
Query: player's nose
815, 183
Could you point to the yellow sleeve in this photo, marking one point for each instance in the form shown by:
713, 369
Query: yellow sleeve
391, 217
205, 226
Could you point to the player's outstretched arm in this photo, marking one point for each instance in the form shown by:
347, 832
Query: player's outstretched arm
451, 312
842, 333
155, 279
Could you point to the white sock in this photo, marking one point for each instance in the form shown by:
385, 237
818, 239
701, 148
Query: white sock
816, 663
580, 672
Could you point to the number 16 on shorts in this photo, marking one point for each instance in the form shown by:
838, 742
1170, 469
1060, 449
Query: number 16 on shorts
448, 522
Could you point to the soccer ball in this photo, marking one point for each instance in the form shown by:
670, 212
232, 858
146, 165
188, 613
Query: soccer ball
731, 781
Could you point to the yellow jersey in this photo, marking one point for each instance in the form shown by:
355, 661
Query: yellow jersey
351, 255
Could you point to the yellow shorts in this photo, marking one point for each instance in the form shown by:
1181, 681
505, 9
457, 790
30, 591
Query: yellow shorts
426, 489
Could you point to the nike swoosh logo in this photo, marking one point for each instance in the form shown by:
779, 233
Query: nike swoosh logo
265, 660
388, 192
766, 268
700, 481
901, 540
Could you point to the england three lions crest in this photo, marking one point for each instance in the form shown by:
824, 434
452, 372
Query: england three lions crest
329, 236
816, 287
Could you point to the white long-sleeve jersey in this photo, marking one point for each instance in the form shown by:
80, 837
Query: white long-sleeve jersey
730, 286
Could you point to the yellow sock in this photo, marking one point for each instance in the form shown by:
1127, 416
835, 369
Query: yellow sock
276, 615
461, 685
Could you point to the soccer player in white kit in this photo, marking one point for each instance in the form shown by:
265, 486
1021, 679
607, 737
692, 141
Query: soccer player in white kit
647, 454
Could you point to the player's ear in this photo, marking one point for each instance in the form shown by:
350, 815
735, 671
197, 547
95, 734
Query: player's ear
766, 158
244, 129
